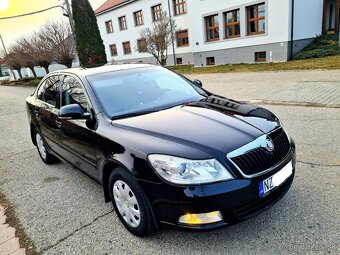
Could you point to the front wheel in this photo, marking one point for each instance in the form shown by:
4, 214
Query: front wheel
44, 154
130, 203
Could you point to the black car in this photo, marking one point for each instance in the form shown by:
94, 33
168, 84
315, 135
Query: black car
164, 149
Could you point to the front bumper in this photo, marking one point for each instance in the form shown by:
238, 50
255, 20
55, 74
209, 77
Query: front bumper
237, 199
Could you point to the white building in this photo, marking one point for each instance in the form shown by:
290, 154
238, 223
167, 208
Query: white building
218, 31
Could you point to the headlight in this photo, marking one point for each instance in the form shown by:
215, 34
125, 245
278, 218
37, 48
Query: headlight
186, 171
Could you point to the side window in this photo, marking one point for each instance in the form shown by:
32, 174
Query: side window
40, 94
49, 91
72, 92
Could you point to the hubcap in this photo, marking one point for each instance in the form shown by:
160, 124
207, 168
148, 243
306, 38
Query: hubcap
41, 146
127, 204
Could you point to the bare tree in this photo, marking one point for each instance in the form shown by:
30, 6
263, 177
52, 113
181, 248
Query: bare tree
53, 42
20, 48
41, 50
159, 37
14, 60
59, 37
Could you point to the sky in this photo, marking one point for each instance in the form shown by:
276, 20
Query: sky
15, 28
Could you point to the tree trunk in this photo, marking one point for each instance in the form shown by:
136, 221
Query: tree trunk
69, 64
19, 72
163, 59
33, 71
46, 69
13, 73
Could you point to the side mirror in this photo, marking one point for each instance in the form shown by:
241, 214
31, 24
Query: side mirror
198, 83
73, 111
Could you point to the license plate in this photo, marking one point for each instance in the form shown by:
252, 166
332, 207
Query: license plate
275, 180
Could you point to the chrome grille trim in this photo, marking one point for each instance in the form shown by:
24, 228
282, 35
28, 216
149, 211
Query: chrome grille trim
252, 146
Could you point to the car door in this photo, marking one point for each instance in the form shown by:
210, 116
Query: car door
47, 111
76, 138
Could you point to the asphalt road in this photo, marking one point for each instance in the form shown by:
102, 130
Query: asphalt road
63, 211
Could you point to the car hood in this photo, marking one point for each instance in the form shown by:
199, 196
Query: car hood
213, 123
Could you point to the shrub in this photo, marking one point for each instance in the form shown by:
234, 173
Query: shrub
322, 46
34, 82
25, 79
28, 79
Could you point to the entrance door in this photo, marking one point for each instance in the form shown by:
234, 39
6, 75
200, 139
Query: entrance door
331, 16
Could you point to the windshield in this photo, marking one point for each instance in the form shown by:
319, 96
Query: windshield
142, 89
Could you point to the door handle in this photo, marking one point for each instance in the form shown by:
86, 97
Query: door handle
36, 114
58, 123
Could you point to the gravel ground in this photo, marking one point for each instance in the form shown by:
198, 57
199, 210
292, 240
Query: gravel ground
63, 211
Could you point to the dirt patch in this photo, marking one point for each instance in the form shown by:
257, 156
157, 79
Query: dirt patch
51, 179
13, 221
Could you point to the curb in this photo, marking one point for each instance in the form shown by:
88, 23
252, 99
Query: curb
9, 243
293, 103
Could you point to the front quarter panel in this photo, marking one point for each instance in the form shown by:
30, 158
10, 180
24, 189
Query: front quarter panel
130, 150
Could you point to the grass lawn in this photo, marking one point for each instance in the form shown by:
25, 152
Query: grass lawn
332, 62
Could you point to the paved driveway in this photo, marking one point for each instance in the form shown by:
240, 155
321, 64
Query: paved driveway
63, 211
316, 87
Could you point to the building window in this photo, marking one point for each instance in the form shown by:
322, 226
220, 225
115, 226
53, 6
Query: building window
182, 38
156, 12
180, 7
179, 61
109, 27
261, 56
141, 45
210, 61
256, 19
126, 48
232, 24
138, 18
113, 50
212, 28
122, 23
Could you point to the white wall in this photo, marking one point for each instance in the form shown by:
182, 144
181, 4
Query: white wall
308, 23
132, 33
307, 18
277, 15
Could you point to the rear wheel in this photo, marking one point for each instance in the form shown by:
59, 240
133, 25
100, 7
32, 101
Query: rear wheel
44, 154
130, 203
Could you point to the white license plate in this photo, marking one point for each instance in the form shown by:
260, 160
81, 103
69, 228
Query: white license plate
275, 180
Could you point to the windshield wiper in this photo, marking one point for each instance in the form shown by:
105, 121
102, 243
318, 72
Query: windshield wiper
132, 114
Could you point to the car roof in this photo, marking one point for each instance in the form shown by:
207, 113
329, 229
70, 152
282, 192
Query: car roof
83, 72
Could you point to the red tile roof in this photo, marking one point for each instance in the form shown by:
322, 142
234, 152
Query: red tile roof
109, 4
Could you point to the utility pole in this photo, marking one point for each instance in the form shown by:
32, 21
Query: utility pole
172, 35
292, 31
338, 23
70, 18
3, 45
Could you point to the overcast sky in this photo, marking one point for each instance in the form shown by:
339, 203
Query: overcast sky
15, 28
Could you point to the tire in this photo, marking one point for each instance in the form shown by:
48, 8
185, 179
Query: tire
130, 203
46, 157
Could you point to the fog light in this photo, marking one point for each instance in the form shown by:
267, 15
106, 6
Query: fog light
201, 218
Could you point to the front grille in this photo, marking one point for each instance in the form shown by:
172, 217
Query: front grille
260, 159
